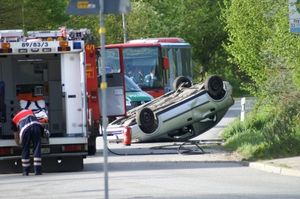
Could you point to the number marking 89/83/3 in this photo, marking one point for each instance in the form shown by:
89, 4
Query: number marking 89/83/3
35, 44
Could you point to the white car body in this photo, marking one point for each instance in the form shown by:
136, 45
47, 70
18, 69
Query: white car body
177, 116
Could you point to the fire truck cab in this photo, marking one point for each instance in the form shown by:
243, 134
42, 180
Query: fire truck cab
46, 70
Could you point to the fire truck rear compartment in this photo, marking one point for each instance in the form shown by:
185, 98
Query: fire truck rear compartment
32, 77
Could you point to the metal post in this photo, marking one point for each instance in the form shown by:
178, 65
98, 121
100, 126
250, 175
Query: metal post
124, 28
103, 91
243, 109
23, 15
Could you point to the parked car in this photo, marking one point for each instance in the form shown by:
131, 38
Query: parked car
135, 96
184, 113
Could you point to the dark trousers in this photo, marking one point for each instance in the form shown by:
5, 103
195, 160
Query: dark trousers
32, 135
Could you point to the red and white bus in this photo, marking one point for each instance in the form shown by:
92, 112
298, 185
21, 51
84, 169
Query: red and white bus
165, 58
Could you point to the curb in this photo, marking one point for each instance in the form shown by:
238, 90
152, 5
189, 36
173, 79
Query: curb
275, 169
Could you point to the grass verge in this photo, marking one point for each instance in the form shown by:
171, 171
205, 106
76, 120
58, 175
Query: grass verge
268, 132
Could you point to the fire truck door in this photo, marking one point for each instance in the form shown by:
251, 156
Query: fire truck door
73, 89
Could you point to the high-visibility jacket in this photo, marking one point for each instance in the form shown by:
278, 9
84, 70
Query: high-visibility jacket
38, 108
24, 119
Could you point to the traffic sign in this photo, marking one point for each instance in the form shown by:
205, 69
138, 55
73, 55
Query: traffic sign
91, 7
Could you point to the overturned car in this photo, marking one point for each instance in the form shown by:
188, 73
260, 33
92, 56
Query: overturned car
184, 113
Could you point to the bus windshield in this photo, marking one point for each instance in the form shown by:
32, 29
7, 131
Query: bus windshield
130, 86
142, 65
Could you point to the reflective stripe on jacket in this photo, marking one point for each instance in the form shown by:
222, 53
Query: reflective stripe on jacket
22, 115
24, 119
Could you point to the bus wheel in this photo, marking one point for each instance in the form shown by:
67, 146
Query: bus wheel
214, 86
146, 120
181, 80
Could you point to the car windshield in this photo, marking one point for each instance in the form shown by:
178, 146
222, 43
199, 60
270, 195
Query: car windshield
130, 85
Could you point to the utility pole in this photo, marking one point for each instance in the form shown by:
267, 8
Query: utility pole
23, 15
103, 87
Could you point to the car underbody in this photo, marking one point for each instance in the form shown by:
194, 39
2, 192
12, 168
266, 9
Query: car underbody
179, 115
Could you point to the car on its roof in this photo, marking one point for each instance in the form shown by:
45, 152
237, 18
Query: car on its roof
179, 115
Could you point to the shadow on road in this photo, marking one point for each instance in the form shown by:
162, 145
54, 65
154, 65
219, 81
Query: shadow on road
163, 157
142, 166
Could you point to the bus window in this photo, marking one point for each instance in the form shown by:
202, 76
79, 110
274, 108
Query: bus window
142, 65
186, 62
172, 70
112, 61
178, 62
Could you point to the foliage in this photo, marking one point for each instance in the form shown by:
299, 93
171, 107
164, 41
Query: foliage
32, 14
262, 46
259, 40
268, 132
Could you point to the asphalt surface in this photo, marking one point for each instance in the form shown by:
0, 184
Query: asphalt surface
203, 151
212, 150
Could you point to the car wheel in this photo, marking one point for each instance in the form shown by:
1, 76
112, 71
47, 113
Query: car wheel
146, 120
214, 87
181, 80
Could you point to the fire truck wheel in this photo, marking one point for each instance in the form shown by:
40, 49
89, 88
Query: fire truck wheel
181, 80
214, 86
145, 118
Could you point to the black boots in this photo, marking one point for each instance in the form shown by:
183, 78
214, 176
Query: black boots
25, 171
25, 174
37, 170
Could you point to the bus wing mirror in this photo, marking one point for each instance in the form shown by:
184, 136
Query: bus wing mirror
166, 63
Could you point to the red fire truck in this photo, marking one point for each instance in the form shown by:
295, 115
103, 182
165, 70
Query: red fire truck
154, 63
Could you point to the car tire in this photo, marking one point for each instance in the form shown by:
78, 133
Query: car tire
214, 86
145, 118
181, 80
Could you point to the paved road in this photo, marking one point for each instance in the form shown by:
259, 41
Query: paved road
162, 173
149, 177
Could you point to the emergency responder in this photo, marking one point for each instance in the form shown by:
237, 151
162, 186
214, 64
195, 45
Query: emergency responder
28, 129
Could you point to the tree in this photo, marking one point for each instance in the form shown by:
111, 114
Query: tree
260, 42
32, 14
195, 21
11, 14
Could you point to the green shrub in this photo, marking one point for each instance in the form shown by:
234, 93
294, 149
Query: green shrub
270, 131
249, 143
